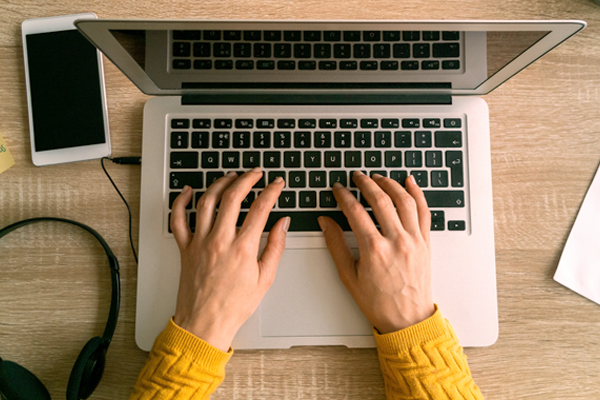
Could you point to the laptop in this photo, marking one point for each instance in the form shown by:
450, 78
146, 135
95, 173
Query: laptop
313, 101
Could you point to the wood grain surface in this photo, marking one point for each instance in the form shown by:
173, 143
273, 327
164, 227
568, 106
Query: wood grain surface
545, 135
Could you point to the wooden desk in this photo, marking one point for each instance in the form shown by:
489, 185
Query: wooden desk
545, 127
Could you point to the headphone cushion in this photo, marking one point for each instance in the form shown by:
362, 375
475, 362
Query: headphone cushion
18, 383
87, 371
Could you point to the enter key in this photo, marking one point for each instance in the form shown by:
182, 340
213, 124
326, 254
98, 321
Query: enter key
454, 161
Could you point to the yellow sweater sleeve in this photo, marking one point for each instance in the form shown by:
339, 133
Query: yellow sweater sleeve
180, 366
425, 361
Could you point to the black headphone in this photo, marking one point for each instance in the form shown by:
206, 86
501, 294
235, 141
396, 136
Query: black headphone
17, 383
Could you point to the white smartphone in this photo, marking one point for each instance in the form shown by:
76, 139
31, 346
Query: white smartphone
65, 92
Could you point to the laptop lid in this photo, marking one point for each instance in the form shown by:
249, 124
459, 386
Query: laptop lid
474, 57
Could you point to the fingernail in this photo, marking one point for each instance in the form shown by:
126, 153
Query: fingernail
358, 173
376, 176
286, 224
186, 188
322, 223
278, 179
338, 185
232, 174
256, 169
412, 179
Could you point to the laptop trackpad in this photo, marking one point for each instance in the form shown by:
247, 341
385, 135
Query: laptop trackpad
308, 299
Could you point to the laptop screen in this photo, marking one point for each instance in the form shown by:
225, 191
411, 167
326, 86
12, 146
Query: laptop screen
167, 57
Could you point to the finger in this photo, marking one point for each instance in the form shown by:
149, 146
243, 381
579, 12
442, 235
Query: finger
231, 202
360, 222
255, 221
269, 260
380, 203
179, 226
207, 205
406, 207
422, 208
340, 252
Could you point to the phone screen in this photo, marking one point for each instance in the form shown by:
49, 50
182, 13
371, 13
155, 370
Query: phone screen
66, 99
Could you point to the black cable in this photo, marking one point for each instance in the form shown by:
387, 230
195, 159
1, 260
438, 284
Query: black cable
123, 160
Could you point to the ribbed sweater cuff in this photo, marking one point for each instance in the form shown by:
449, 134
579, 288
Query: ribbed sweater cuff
432, 328
189, 346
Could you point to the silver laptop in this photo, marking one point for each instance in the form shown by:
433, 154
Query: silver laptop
312, 101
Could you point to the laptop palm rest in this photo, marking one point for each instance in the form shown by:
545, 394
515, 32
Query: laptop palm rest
307, 299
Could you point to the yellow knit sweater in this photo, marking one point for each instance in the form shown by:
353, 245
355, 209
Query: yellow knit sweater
423, 361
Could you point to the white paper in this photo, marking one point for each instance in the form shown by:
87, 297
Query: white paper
579, 265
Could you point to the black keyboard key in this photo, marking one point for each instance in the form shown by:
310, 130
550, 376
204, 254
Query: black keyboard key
393, 159
187, 35
184, 159
351, 36
302, 50
439, 178
200, 140
179, 140
429, 65
450, 35
421, 178
433, 159
265, 123
352, 184
338, 176
332, 36
456, 225
348, 65
261, 64
312, 159
402, 139
342, 139
202, 49
292, 159
252, 35
455, 162
409, 65
286, 65
327, 200
308, 199
223, 64
302, 139
261, 140
410, 123
241, 140
272, 159
182, 64
413, 159
244, 123
431, 123
401, 50
431, 36
362, 50
193, 222
211, 35
362, 139
242, 50
322, 140
369, 123
383, 139
201, 123
452, 123
282, 140
274, 174
182, 49
445, 198
286, 123
446, 50
312, 36
399, 176
287, 199
333, 159
352, 159
177, 180
248, 200
391, 36
231, 159
368, 65
307, 65
317, 179
210, 159
411, 36
390, 123
220, 140
421, 50
180, 123
232, 35
371, 36
283, 50
309, 123
373, 159
327, 65
297, 179
272, 36
382, 173
262, 50
244, 64
381, 50
451, 64
212, 177
292, 36
223, 123
448, 139
342, 50
173, 196
423, 139
438, 220
222, 49
251, 159
348, 123
261, 183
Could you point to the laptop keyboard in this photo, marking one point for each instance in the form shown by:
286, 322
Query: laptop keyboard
311, 154
295, 50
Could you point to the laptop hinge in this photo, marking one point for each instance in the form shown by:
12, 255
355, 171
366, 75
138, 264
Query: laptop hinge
315, 99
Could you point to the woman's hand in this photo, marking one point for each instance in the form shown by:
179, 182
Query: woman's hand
391, 281
222, 280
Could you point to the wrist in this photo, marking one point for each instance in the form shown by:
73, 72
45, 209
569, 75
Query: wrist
213, 331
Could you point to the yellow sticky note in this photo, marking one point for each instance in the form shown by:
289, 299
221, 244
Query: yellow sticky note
6, 160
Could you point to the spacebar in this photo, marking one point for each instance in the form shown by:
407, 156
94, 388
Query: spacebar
302, 221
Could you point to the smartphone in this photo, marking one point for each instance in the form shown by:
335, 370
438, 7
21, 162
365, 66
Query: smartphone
65, 92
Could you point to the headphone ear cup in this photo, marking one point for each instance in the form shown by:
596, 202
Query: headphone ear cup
87, 371
17, 383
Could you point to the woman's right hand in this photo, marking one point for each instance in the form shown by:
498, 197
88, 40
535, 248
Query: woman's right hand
391, 280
